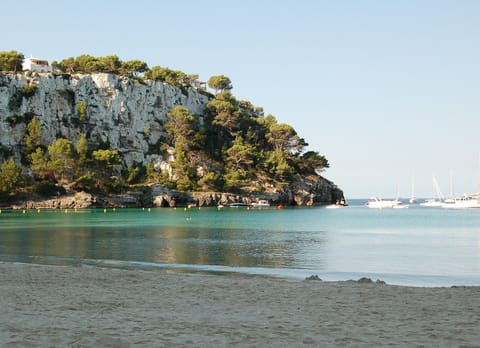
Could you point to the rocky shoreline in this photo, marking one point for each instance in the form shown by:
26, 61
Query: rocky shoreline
305, 193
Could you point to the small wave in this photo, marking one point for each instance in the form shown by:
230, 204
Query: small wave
415, 280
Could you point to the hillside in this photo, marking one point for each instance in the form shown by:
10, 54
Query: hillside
133, 141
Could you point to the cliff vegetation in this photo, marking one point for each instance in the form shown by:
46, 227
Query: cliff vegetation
111, 128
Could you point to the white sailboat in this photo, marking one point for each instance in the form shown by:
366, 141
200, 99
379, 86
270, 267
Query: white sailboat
437, 200
413, 199
471, 200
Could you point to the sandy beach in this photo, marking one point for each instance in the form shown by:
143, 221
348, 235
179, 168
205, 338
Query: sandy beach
85, 306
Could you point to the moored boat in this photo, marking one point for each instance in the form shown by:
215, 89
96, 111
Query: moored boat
238, 205
380, 203
438, 199
432, 203
463, 202
261, 204
338, 204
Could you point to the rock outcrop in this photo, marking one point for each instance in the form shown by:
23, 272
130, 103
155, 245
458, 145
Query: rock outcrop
128, 115
70, 201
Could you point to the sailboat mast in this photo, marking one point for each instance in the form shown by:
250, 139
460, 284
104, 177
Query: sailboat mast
451, 185
412, 195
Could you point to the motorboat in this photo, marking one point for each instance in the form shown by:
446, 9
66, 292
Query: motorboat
462, 202
380, 203
339, 204
238, 205
263, 203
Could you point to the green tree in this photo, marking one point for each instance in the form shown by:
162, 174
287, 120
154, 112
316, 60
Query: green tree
39, 164
154, 176
81, 148
110, 64
82, 111
107, 157
10, 175
134, 67
234, 180
33, 136
180, 124
311, 162
132, 175
278, 166
241, 155
226, 113
87, 64
283, 137
219, 83
184, 138
211, 181
68, 65
170, 76
105, 161
54, 65
184, 168
11, 61
29, 90
62, 162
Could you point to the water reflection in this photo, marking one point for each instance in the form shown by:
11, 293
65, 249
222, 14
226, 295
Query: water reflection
187, 244
354, 241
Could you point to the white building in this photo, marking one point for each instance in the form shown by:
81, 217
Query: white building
36, 64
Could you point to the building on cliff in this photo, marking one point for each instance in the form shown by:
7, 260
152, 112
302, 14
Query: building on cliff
36, 64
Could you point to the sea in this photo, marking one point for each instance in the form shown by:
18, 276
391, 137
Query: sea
418, 246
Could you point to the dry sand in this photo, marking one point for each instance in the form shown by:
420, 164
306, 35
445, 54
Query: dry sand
84, 306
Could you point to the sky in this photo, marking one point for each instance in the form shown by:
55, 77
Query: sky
388, 91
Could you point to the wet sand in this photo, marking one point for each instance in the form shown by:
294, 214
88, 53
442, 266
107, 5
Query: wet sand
85, 306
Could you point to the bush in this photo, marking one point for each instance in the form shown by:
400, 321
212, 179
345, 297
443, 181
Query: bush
29, 90
86, 183
82, 111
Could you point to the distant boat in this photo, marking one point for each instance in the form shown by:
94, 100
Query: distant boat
238, 205
432, 203
338, 204
379, 203
463, 202
438, 198
261, 204
413, 199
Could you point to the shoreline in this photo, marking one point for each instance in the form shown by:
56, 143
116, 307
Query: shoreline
401, 280
46, 305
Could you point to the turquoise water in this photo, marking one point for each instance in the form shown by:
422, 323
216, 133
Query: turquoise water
417, 246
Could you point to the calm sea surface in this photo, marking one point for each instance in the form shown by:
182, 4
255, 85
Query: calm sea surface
417, 246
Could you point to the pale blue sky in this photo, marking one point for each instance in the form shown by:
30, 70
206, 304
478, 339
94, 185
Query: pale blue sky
386, 90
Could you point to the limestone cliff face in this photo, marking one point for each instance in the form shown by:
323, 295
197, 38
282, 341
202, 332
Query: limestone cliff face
124, 113
129, 115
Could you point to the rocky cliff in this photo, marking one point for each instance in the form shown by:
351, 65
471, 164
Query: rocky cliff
127, 114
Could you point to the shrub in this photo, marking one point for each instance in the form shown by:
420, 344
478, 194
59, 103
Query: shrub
29, 90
